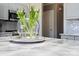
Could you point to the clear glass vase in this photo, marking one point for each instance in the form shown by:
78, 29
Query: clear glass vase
29, 35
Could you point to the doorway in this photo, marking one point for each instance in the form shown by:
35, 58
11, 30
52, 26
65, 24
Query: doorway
52, 20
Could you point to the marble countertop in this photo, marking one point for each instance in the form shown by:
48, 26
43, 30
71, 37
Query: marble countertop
51, 47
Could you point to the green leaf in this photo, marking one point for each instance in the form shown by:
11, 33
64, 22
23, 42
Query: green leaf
28, 26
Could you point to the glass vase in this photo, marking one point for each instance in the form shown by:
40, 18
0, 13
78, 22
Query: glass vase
31, 34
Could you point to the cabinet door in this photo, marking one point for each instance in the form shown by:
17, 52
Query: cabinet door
4, 11
1, 11
5, 17
67, 37
71, 10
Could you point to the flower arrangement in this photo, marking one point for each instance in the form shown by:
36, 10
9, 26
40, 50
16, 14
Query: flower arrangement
29, 24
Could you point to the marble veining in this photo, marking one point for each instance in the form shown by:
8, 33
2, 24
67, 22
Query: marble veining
71, 26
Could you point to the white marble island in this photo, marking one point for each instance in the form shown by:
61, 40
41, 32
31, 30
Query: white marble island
51, 47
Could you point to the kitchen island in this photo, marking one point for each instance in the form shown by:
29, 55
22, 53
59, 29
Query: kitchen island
51, 47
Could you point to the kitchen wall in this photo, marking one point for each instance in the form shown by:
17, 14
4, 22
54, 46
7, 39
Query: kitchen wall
71, 18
